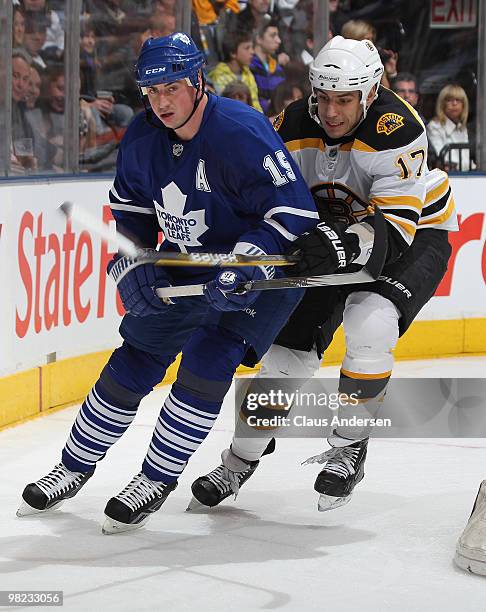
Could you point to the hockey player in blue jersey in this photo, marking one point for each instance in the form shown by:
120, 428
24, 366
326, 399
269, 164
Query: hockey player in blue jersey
214, 176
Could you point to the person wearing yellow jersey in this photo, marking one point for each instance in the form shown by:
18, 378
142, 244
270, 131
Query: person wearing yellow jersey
237, 55
207, 11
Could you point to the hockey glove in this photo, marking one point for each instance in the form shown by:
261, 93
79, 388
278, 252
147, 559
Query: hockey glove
326, 249
137, 287
219, 292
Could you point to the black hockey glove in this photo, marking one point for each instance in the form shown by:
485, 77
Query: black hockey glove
326, 249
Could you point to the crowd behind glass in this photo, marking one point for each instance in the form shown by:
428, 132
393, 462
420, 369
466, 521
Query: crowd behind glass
258, 52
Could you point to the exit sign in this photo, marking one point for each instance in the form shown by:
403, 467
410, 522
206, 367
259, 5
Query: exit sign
453, 13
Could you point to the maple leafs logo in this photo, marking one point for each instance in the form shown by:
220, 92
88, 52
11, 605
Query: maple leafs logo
183, 229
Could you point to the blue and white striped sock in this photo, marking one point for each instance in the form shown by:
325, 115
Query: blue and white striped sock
99, 424
183, 423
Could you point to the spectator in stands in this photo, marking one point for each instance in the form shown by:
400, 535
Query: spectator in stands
52, 123
35, 37
111, 118
18, 27
307, 53
237, 54
159, 6
337, 17
284, 94
35, 85
113, 27
160, 24
267, 71
359, 29
22, 157
44, 151
88, 61
295, 18
215, 18
54, 30
254, 15
406, 86
449, 127
168, 7
237, 90
207, 11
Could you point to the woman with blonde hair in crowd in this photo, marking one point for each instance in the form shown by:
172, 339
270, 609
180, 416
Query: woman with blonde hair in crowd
449, 126
358, 29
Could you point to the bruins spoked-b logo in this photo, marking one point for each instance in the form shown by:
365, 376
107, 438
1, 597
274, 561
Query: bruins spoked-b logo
388, 123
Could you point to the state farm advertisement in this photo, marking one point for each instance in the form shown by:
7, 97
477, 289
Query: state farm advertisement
462, 292
57, 301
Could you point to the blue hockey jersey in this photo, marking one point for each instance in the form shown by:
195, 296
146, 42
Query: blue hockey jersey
233, 183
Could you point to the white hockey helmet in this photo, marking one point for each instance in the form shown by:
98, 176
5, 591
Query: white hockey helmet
345, 64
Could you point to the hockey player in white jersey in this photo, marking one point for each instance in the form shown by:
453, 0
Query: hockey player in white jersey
358, 146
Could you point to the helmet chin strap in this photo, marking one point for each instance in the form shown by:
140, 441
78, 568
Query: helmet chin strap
199, 88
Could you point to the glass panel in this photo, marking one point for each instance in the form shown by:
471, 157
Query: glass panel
6, 79
111, 36
427, 61
37, 145
257, 51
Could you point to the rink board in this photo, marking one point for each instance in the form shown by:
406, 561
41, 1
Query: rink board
59, 313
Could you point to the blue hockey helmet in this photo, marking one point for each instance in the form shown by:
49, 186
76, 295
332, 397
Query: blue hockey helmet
167, 59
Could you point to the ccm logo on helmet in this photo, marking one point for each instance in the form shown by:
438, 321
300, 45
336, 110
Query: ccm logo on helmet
336, 243
155, 70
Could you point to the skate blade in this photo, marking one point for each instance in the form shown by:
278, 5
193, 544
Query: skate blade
195, 505
470, 565
26, 510
110, 526
328, 502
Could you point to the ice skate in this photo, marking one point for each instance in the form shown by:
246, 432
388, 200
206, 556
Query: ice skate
132, 508
471, 546
225, 480
50, 491
343, 470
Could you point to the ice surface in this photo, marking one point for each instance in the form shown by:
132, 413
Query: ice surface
390, 549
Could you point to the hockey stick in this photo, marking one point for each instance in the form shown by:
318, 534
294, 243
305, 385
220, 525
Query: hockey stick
168, 258
84, 218
368, 273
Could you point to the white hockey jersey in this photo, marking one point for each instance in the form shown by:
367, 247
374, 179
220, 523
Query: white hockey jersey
383, 163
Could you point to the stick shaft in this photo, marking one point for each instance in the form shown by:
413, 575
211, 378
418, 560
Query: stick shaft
350, 278
104, 231
169, 258
218, 260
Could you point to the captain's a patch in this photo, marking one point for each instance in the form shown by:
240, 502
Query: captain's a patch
388, 123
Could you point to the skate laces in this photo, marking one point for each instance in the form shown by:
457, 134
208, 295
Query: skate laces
139, 491
59, 481
226, 480
340, 460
